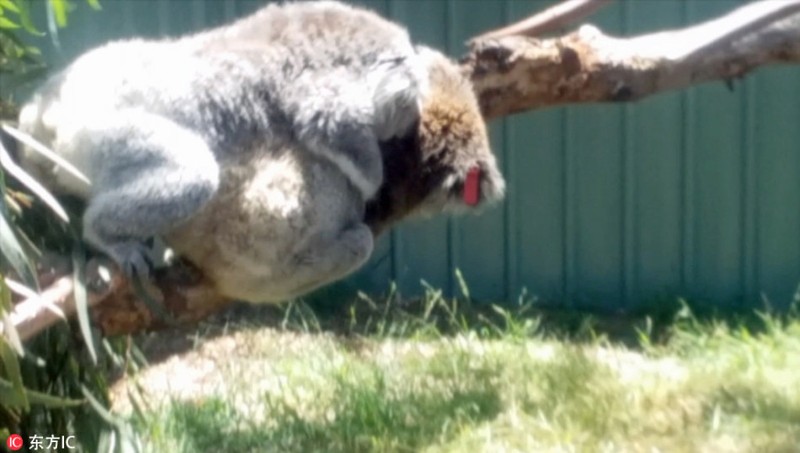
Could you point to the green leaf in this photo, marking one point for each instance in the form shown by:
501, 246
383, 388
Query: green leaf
15, 41
14, 254
8, 23
25, 19
81, 298
30, 182
98, 407
5, 296
43, 399
34, 397
10, 396
32, 50
9, 5
12, 372
35, 145
59, 9
10, 331
94, 4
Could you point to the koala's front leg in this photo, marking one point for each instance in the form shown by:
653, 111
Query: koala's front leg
353, 148
325, 260
344, 122
148, 175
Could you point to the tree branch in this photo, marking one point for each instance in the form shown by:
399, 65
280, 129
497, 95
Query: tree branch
514, 74
551, 19
54, 304
187, 296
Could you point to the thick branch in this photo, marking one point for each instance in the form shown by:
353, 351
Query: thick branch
56, 303
514, 74
35, 314
187, 298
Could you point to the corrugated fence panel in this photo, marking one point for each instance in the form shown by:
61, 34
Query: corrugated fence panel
695, 193
653, 190
715, 141
777, 153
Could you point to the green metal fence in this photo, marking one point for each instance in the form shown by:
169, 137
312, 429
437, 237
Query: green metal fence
695, 193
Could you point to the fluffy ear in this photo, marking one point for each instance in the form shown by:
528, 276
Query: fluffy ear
398, 96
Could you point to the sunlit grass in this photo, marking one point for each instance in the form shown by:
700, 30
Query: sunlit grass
451, 378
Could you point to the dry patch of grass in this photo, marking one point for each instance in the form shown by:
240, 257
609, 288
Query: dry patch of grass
711, 386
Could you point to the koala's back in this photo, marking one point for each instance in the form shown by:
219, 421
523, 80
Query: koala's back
233, 84
333, 33
253, 239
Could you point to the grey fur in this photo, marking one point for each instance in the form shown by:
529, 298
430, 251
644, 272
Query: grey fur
164, 129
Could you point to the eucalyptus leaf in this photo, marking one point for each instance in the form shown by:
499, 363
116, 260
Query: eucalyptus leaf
37, 146
5, 296
6, 326
11, 334
37, 398
43, 399
10, 396
101, 410
9, 5
81, 298
8, 24
13, 374
25, 18
59, 10
13, 253
32, 184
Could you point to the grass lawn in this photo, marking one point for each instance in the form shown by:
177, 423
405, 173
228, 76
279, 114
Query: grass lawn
442, 378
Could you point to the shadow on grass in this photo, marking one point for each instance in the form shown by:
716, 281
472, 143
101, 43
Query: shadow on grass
432, 315
368, 417
768, 408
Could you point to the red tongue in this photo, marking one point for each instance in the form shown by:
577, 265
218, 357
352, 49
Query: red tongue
472, 186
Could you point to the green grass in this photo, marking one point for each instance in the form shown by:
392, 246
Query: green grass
437, 377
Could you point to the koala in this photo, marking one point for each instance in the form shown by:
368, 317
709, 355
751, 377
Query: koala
268, 153
266, 235
163, 128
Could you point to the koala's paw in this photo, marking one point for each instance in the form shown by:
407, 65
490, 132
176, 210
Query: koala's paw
133, 257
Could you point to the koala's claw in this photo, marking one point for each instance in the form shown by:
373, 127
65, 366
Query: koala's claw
133, 258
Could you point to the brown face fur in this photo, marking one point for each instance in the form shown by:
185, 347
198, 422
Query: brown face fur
424, 173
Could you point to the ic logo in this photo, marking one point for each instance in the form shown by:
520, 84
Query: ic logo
15, 442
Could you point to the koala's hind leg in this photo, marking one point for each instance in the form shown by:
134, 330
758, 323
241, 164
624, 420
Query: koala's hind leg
148, 175
325, 260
